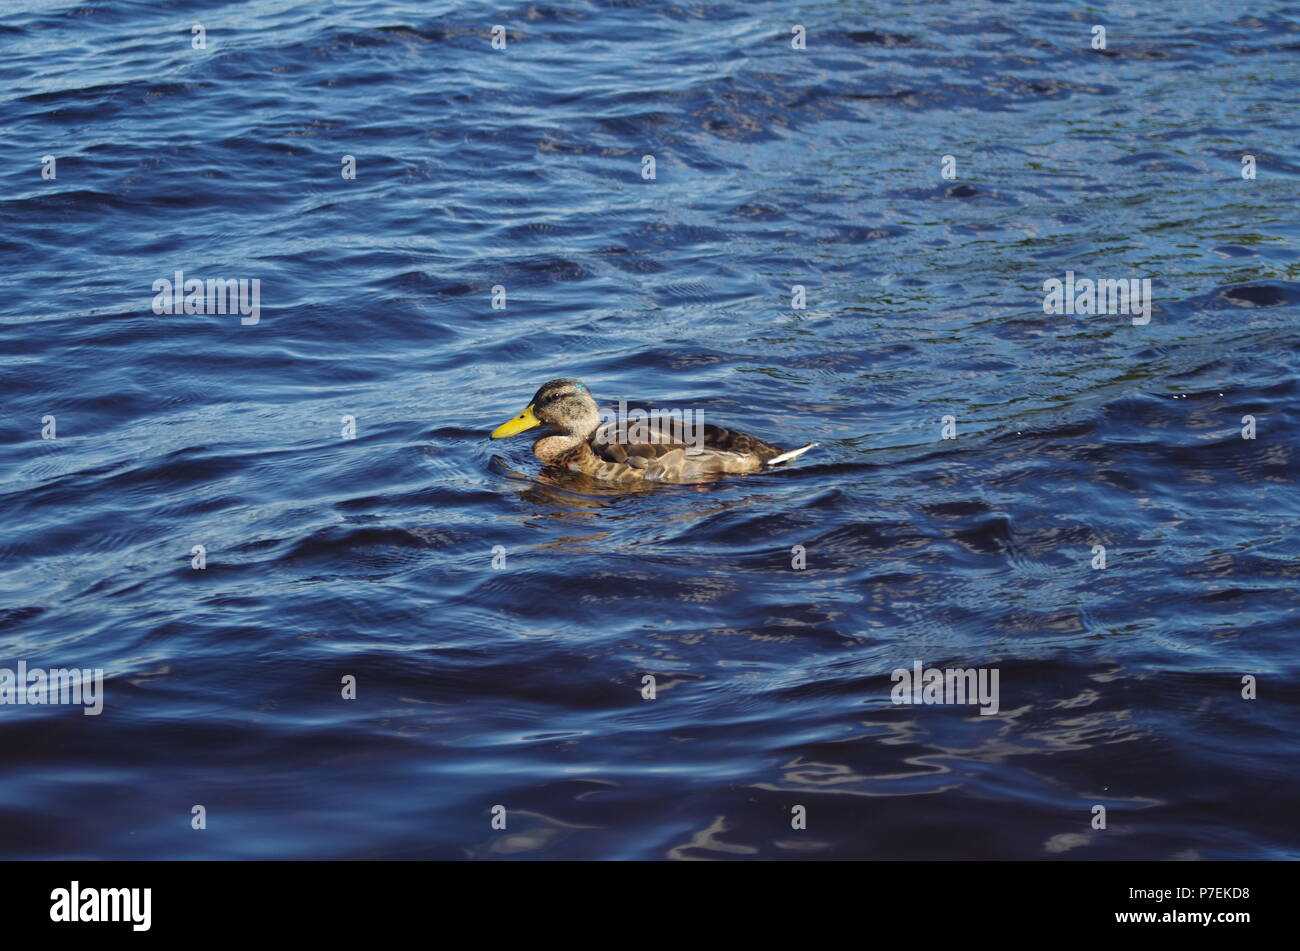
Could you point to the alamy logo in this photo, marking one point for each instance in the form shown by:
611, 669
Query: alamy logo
674, 426
1087, 297
103, 904
957, 685
217, 296
60, 685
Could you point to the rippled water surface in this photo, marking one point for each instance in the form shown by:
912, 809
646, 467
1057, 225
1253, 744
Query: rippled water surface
372, 557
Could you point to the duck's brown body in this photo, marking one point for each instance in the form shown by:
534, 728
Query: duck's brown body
659, 453
723, 451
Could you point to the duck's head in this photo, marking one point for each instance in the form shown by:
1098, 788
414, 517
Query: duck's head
565, 406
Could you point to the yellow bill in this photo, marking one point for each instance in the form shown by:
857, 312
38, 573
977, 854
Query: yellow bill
525, 420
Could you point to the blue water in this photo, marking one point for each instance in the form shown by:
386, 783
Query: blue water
520, 686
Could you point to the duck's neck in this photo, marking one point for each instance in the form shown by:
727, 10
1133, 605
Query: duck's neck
550, 448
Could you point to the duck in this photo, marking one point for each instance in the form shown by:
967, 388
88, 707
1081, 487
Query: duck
654, 448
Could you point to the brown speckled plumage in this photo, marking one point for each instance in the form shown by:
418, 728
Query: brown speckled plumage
582, 444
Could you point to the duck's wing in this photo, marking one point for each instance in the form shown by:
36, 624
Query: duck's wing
731, 440
710, 453
662, 456
656, 437
689, 464
642, 441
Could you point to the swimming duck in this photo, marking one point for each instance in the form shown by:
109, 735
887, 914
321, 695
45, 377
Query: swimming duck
659, 448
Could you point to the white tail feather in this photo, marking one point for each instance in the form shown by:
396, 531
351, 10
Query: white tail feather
787, 456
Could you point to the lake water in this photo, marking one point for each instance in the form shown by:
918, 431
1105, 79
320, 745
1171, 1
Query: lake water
522, 685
